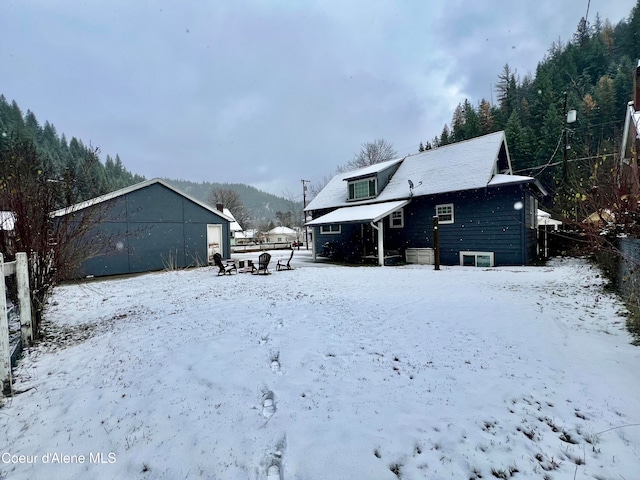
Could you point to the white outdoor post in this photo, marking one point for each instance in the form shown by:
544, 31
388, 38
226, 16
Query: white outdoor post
381, 243
5, 352
24, 298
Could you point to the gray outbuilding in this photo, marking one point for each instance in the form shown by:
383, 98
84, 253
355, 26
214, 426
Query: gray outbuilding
150, 226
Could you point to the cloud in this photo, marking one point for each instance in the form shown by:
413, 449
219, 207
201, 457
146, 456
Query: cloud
264, 92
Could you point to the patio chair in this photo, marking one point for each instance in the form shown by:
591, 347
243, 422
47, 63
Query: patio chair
263, 264
285, 266
223, 269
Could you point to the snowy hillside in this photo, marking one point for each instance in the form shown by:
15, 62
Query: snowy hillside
331, 372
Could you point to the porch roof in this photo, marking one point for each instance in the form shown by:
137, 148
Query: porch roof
359, 213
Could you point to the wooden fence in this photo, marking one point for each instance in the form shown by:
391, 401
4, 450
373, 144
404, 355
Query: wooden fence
258, 247
20, 268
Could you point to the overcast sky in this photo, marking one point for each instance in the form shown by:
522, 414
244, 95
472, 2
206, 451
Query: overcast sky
267, 92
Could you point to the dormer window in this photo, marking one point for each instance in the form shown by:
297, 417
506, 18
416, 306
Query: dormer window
363, 188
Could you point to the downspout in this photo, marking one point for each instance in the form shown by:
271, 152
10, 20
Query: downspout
380, 229
523, 222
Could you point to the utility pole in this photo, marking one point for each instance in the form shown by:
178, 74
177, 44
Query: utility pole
565, 166
567, 118
304, 215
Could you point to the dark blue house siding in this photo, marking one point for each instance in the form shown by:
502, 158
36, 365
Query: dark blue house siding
484, 220
492, 219
151, 229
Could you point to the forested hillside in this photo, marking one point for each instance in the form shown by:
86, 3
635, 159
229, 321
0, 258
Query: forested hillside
263, 207
592, 73
65, 160
81, 166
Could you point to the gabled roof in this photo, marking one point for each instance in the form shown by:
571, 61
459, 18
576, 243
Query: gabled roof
138, 186
234, 226
282, 231
477, 163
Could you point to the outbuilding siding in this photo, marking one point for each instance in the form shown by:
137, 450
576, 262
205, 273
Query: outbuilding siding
150, 229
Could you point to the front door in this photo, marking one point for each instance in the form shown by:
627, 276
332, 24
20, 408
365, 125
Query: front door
214, 241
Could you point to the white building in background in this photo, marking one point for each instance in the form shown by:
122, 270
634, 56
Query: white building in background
282, 235
247, 237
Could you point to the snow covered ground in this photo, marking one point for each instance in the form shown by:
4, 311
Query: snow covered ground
330, 372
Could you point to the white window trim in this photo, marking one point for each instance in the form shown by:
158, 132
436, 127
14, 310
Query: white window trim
476, 255
444, 222
401, 212
324, 231
533, 212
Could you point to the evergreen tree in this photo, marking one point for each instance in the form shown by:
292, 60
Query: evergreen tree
472, 127
485, 117
445, 137
457, 124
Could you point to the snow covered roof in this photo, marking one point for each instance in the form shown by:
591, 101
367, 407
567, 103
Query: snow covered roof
460, 166
282, 231
502, 179
544, 218
371, 169
248, 234
133, 188
360, 213
234, 226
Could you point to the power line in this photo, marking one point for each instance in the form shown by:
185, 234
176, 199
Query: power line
592, 157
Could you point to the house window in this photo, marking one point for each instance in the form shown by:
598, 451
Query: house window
360, 189
396, 219
476, 259
444, 213
330, 229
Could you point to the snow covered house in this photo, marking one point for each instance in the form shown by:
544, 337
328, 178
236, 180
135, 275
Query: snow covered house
487, 216
150, 226
282, 235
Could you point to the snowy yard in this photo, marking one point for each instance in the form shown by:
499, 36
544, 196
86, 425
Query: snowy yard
331, 372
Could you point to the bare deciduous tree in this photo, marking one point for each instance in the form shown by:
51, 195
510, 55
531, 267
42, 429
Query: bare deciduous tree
56, 245
231, 200
370, 153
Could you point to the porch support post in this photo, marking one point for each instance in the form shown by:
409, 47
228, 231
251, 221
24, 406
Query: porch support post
381, 242
313, 240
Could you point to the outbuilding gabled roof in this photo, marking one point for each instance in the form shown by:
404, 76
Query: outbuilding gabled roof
138, 186
476, 163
